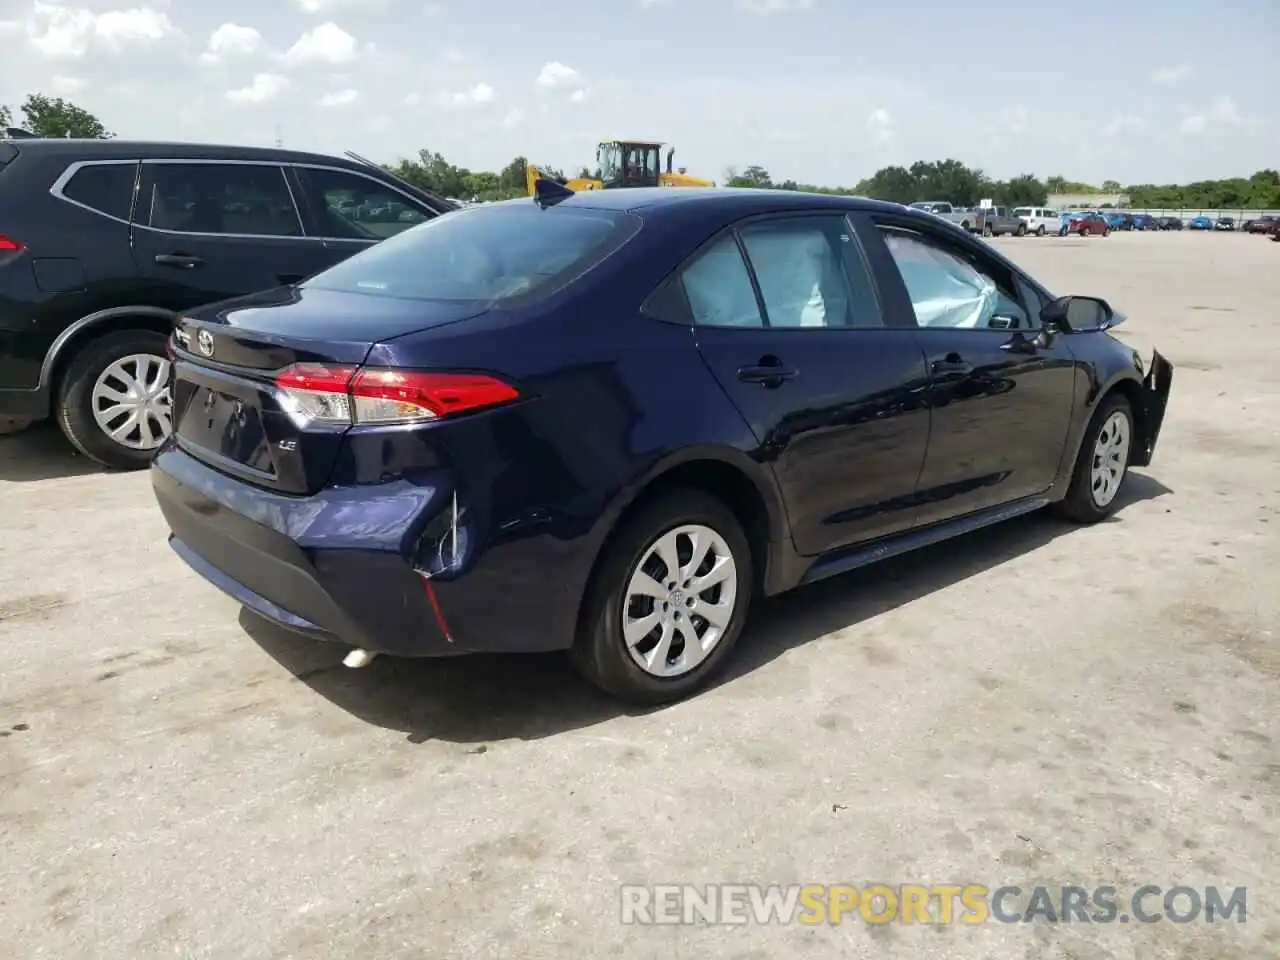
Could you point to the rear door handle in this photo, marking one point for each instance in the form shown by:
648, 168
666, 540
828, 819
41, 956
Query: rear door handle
769, 374
185, 261
951, 366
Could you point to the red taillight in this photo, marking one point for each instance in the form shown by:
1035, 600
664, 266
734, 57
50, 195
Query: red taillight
9, 245
344, 394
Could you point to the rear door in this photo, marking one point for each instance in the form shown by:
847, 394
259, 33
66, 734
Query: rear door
789, 322
1001, 400
208, 230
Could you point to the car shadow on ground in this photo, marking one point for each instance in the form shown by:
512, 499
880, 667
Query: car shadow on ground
473, 699
41, 452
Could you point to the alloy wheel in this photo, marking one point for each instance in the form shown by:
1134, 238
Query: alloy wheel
679, 600
132, 401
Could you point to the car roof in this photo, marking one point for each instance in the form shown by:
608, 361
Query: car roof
737, 201
131, 149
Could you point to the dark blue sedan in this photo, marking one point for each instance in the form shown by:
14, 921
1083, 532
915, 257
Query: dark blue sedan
605, 422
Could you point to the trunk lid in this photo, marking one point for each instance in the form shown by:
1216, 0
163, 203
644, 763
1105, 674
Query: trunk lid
227, 409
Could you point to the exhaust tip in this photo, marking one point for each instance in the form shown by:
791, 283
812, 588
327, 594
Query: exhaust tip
358, 658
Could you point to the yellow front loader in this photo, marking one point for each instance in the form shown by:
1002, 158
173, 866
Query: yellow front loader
624, 163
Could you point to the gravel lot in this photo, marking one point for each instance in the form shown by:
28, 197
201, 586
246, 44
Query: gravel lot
1037, 703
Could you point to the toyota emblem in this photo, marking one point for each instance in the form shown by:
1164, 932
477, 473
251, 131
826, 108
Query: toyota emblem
204, 342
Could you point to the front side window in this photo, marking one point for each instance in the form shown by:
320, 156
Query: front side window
483, 254
1023, 212
105, 187
946, 289
609, 159
237, 199
352, 207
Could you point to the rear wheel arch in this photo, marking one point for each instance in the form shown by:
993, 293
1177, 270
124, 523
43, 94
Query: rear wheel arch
750, 497
82, 332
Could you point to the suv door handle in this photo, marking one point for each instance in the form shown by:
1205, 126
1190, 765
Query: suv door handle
951, 365
769, 372
182, 260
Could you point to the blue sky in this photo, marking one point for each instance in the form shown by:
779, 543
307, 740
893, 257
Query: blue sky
816, 90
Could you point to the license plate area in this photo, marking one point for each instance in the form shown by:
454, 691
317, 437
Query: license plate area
227, 425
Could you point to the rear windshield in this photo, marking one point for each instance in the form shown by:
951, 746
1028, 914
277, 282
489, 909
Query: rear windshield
484, 253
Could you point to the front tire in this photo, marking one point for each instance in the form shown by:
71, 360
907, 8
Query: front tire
668, 601
1106, 231
114, 402
1021, 232
1040, 230
1102, 464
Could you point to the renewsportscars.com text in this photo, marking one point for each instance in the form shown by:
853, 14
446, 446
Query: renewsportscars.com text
971, 904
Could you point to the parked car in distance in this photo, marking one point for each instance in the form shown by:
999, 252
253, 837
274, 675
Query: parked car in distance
1169, 223
1118, 221
960, 216
1225, 223
1088, 224
104, 242
404, 451
1262, 224
1144, 221
1200, 223
1039, 220
997, 221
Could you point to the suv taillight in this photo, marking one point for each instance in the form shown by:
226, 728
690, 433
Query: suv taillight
9, 245
341, 394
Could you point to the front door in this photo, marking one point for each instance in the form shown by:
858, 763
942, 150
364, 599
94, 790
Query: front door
205, 231
789, 323
1001, 396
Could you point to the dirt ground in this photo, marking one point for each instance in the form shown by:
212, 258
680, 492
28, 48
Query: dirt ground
1035, 704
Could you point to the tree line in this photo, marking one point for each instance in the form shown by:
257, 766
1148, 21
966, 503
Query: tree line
949, 179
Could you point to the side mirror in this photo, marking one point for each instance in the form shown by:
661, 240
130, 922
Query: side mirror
1077, 314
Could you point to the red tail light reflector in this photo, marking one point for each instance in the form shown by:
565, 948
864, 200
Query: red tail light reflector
345, 394
9, 245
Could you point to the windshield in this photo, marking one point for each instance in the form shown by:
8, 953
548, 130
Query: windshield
485, 254
609, 159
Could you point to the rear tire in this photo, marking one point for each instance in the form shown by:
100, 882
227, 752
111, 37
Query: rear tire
1021, 231
987, 231
1106, 231
1102, 463
12, 425
84, 398
1040, 230
602, 652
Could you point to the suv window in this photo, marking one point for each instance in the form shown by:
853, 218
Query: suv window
237, 199
352, 207
104, 187
483, 254
947, 290
803, 265
1024, 212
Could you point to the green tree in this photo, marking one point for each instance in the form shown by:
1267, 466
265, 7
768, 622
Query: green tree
1022, 191
753, 176
1110, 186
6, 118
47, 116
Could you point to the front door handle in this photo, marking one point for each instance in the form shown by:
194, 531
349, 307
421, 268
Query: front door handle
951, 365
769, 371
1020, 344
185, 261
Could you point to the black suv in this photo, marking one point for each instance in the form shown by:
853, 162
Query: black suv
104, 242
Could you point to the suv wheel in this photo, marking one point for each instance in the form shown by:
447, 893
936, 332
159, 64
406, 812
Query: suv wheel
114, 404
668, 602
1040, 230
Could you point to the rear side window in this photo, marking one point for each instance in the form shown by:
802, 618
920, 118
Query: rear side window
353, 207
104, 187
484, 254
235, 199
1023, 212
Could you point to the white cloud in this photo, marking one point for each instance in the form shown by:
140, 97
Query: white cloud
60, 32
765, 8
327, 43
555, 75
578, 95
232, 40
880, 126
1124, 123
453, 56
514, 117
322, 6
9, 27
1168, 76
265, 86
65, 86
480, 93
412, 99
341, 98
1193, 124
1224, 112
